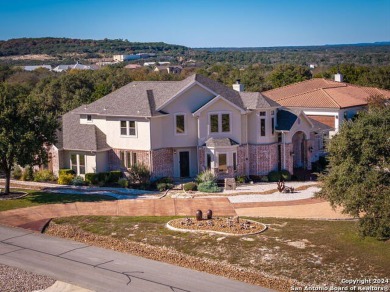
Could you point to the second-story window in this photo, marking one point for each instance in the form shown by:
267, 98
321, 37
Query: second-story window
214, 123
128, 128
225, 123
220, 123
180, 124
89, 118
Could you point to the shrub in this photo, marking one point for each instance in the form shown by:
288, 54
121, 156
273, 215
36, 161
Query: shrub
209, 187
28, 174
102, 177
78, 181
190, 186
255, 178
264, 178
123, 182
285, 175
240, 179
164, 179
66, 171
44, 175
17, 172
114, 176
91, 178
139, 173
164, 186
206, 176
65, 179
274, 176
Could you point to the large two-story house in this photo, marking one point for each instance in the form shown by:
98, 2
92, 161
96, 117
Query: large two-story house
180, 128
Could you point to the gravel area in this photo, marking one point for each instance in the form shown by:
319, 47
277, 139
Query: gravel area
170, 255
276, 197
16, 280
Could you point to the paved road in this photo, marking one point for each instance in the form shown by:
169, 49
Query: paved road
103, 270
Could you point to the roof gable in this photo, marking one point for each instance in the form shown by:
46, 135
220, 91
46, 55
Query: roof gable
214, 100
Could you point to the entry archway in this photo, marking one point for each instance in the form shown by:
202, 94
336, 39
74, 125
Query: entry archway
299, 150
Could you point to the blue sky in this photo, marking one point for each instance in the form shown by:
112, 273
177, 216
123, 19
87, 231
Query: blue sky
201, 23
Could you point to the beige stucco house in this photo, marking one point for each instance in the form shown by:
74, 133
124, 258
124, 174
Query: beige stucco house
180, 128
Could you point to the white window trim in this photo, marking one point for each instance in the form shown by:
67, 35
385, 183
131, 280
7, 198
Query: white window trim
78, 163
185, 124
126, 160
235, 170
219, 113
128, 129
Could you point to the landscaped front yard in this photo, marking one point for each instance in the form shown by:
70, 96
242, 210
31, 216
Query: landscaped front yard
35, 198
310, 252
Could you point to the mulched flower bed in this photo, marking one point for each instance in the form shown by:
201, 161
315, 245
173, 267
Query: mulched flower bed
12, 195
224, 225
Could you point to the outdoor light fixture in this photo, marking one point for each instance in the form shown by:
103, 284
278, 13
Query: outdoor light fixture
174, 151
292, 153
311, 149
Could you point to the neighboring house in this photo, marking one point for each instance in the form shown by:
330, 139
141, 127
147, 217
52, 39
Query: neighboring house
77, 66
32, 68
133, 66
168, 69
180, 128
122, 58
326, 101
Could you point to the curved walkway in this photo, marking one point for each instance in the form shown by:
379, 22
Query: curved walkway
309, 208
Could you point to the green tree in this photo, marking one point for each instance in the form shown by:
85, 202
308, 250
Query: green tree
25, 130
286, 74
358, 175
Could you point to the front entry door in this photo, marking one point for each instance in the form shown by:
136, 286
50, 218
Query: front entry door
184, 163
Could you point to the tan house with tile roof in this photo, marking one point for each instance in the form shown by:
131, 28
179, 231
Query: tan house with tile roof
326, 101
180, 128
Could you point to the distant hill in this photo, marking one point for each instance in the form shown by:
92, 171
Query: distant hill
57, 46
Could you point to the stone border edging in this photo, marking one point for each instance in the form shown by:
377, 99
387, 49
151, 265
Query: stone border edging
23, 194
216, 232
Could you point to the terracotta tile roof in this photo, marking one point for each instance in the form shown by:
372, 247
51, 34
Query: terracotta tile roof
321, 93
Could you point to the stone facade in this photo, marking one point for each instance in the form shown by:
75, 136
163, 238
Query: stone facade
162, 160
263, 159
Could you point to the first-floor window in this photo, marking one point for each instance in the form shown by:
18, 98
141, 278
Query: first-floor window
77, 162
262, 127
234, 161
222, 162
122, 157
128, 158
208, 162
273, 125
133, 159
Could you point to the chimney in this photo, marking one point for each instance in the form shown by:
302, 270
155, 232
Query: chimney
238, 86
338, 77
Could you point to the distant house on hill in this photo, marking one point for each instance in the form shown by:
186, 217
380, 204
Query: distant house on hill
122, 58
168, 69
77, 66
32, 68
133, 66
